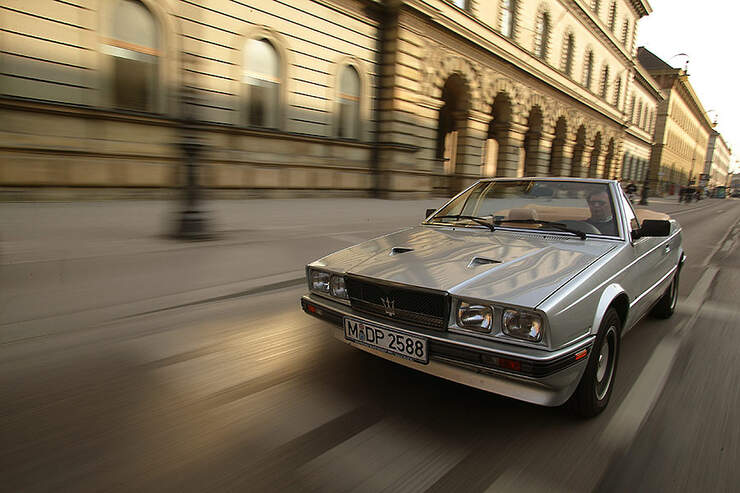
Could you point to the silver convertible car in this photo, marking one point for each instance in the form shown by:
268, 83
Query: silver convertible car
522, 287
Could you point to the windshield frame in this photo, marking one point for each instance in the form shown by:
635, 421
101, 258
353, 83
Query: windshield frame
612, 187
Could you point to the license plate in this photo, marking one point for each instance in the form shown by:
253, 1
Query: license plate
387, 340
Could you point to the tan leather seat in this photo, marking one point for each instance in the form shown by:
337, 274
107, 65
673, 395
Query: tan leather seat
522, 214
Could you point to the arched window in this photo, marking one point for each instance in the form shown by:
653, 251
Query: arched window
613, 16
617, 92
604, 83
542, 35
134, 47
262, 75
569, 46
588, 69
348, 125
625, 32
508, 18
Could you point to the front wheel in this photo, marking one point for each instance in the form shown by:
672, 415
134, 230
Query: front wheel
595, 388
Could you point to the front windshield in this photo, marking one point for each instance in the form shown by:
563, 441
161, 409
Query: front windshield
582, 206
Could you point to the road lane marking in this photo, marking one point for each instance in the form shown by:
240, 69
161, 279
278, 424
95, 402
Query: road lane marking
643, 395
720, 244
392, 455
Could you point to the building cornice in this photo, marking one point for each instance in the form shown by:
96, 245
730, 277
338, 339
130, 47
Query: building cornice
698, 108
643, 78
583, 14
642, 7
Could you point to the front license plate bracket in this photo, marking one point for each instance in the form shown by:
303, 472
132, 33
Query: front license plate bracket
391, 341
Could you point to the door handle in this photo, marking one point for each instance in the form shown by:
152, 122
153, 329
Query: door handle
667, 250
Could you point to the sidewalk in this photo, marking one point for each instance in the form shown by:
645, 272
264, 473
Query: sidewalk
66, 258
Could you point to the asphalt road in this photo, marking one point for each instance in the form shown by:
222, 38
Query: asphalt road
247, 393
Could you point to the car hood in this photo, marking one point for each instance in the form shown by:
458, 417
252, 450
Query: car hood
513, 268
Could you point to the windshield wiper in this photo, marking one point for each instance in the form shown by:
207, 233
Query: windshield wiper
476, 219
558, 226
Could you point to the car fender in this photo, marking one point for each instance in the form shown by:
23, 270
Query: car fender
609, 294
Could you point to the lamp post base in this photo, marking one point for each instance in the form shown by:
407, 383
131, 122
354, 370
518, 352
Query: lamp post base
192, 225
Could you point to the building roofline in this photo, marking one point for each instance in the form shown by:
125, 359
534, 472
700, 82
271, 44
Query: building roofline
642, 7
644, 79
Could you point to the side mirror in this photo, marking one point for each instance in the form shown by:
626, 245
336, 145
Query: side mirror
652, 227
429, 212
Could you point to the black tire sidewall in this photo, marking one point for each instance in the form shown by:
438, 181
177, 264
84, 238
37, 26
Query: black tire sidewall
584, 399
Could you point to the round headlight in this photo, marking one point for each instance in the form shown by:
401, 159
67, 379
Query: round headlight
474, 317
320, 281
522, 325
338, 288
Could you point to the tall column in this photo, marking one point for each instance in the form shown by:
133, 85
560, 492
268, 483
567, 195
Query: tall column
511, 139
562, 155
596, 164
538, 147
471, 157
579, 163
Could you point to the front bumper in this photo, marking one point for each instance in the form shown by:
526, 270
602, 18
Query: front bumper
541, 377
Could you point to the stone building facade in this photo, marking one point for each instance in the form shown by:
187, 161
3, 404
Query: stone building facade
682, 128
717, 164
284, 93
392, 97
642, 110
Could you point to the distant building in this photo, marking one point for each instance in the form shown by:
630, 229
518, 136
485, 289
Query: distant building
682, 128
735, 181
642, 111
717, 164
395, 97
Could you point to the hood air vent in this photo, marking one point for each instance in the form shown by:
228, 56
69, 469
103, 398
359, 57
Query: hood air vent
481, 261
397, 250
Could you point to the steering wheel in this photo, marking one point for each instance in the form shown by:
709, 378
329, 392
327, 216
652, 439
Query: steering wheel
581, 226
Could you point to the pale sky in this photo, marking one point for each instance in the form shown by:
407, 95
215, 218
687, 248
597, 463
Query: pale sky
708, 32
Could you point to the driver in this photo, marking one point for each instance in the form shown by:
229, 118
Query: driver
601, 213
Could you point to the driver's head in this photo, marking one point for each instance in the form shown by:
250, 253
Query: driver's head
598, 202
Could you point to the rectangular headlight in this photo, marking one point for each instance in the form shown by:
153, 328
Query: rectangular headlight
474, 316
319, 281
337, 287
522, 325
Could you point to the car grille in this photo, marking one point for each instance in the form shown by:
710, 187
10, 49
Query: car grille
415, 306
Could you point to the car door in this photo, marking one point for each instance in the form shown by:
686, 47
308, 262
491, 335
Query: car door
644, 268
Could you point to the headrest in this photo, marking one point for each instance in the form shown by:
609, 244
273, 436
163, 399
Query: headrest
519, 214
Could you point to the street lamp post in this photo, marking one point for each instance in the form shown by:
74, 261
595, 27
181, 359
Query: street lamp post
192, 220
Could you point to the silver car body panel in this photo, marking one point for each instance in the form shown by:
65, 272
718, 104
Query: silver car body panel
527, 267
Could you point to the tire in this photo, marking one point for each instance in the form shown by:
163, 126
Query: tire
666, 305
595, 388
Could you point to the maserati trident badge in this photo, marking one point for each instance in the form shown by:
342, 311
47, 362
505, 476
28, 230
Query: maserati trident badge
389, 306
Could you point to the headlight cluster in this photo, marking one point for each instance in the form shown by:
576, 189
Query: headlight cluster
324, 282
519, 324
